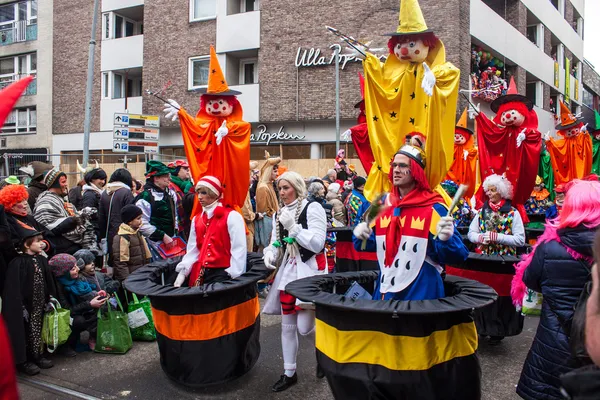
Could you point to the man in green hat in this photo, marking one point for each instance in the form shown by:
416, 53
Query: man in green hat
158, 204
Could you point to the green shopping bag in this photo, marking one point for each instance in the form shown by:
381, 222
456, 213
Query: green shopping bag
113, 334
139, 313
532, 303
56, 327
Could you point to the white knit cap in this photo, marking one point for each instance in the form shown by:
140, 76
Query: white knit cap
211, 183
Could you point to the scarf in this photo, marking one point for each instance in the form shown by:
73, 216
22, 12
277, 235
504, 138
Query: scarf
416, 198
91, 187
77, 287
496, 207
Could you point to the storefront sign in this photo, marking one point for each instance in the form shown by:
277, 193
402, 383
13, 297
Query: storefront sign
262, 136
556, 82
313, 58
576, 94
567, 80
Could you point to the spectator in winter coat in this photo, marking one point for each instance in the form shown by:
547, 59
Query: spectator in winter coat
95, 180
559, 267
116, 196
129, 248
87, 271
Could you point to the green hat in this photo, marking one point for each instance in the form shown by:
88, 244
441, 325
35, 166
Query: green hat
12, 180
156, 168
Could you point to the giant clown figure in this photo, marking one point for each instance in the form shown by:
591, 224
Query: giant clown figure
414, 90
571, 156
464, 167
217, 141
510, 145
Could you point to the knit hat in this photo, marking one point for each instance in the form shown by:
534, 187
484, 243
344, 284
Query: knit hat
61, 264
84, 257
211, 183
52, 178
359, 181
129, 213
156, 168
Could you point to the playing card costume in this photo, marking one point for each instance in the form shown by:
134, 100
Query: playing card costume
572, 155
414, 90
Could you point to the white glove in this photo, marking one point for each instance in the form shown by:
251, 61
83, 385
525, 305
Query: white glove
428, 80
521, 137
347, 136
287, 219
221, 132
484, 238
445, 228
546, 136
465, 154
180, 279
584, 128
362, 231
473, 110
269, 260
171, 109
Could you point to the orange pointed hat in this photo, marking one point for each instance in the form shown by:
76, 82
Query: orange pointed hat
10, 95
567, 119
217, 85
461, 125
511, 95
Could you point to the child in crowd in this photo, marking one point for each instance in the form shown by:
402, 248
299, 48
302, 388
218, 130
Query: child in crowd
87, 271
129, 248
27, 290
78, 296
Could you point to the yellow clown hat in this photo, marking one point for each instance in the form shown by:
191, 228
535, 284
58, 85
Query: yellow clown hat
538, 180
567, 119
217, 85
411, 21
461, 125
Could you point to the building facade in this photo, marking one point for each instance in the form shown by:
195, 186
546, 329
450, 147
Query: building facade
281, 57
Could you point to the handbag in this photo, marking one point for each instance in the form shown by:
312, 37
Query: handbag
104, 240
139, 314
56, 326
113, 335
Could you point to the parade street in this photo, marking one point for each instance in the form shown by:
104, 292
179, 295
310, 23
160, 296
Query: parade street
137, 375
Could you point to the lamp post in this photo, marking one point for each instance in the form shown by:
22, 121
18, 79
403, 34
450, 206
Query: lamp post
337, 97
88, 89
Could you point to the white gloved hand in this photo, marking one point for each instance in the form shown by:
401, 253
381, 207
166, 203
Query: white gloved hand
473, 110
269, 260
584, 128
546, 136
428, 80
362, 231
221, 132
465, 154
445, 228
521, 137
171, 109
287, 219
484, 238
180, 279
347, 135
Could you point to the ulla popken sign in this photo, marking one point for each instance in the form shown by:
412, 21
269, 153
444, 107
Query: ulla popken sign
262, 136
312, 57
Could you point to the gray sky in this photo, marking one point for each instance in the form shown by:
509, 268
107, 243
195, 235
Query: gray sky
591, 34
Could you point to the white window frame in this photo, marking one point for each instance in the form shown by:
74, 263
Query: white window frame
207, 18
30, 128
111, 34
15, 75
106, 89
243, 6
191, 71
31, 18
243, 62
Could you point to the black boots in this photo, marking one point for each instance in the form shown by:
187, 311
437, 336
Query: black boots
285, 382
28, 368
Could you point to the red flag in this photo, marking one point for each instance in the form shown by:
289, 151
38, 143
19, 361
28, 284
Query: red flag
10, 95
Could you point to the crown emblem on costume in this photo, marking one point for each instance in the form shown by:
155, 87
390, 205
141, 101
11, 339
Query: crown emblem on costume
384, 222
417, 223
402, 220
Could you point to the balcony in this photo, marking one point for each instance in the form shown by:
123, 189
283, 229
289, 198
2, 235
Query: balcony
18, 32
112, 5
31, 89
123, 53
249, 99
238, 32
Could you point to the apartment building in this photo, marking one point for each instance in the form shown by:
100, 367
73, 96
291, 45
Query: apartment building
280, 56
26, 49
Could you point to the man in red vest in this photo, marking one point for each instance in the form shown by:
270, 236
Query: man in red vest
216, 249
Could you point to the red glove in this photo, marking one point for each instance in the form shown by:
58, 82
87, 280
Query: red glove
493, 237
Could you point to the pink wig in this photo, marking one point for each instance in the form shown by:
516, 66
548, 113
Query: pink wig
581, 205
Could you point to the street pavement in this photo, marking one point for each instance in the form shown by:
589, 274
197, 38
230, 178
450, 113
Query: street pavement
137, 375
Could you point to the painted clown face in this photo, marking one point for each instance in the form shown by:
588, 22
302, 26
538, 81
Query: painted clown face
512, 118
572, 132
459, 138
597, 135
219, 107
414, 51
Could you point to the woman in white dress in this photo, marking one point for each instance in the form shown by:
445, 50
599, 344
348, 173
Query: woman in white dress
297, 249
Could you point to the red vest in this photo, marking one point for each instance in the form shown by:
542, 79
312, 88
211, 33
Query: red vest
213, 242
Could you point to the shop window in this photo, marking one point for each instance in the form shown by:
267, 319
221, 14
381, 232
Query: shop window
328, 150
203, 9
198, 72
257, 152
296, 151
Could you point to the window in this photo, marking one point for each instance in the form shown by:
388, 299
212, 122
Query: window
129, 28
106, 26
117, 86
17, 67
588, 98
248, 71
203, 9
20, 120
23, 11
118, 26
248, 5
532, 34
328, 150
198, 72
105, 86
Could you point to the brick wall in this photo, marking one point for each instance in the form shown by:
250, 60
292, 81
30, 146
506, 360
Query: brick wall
516, 15
288, 93
591, 79
73, 19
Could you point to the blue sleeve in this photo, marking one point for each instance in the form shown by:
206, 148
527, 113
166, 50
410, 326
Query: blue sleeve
551, 212
371, 243
363, 208
452, 251
532, 277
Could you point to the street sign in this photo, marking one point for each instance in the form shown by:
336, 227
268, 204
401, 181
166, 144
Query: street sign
142, 146
120, 146
120, 133
138, 120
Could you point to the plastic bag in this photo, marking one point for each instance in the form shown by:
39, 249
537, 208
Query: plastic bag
532, 303
56, 327
113, 334
139, 313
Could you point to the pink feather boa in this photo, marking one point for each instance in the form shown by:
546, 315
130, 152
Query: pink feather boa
518, 288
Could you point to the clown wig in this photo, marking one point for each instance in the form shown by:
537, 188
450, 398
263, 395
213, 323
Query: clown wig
503, 185
429, 39
13, 194
205, 98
